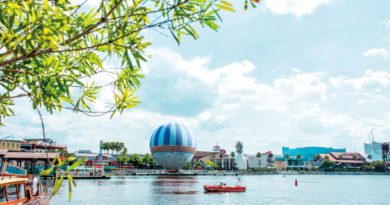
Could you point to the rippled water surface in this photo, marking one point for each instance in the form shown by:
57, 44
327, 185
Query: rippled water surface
262, 189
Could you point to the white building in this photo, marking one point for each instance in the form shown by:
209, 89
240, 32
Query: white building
262, 162
375, 150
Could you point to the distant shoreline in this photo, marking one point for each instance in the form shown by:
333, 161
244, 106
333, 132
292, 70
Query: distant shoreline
249, 173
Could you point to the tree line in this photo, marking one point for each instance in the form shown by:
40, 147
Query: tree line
116, 147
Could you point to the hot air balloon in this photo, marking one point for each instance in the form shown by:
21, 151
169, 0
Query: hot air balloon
172, 145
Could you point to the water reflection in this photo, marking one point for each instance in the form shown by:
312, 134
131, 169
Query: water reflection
176, 185
273, 190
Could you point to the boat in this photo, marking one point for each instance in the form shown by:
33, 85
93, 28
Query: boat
16, 187
93, 172
224, 188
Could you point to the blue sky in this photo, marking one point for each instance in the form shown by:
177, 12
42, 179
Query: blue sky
290, 73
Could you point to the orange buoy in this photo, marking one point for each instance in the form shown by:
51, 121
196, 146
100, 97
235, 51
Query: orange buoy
296, 182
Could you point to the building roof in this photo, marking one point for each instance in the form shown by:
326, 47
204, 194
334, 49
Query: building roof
344, 157
30, 155
201, 154
11, 138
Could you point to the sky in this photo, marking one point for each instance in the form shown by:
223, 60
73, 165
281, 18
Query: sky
291, 73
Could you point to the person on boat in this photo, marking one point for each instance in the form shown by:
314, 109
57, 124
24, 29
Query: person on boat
222, 184
35, 184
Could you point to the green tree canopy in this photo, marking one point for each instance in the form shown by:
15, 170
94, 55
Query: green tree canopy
135, 160
258, 154
51, 50
232, 154
147, 159
378, 166
239, 147
327, 164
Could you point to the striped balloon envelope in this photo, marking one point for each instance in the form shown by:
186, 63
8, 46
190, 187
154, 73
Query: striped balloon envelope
172, 145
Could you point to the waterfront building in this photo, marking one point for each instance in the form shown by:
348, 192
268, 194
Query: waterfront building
350, 159
41, 145
280, 163
308, 153
218, 156
303, 157
92, 158
265, 160
374, 150
10, 143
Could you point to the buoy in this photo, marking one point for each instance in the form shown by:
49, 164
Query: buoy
296, 182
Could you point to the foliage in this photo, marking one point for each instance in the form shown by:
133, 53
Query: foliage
211, 164
188, 166
52, 51
113, 146
377, 165
147, 159
60, 174
239, 147
369, 157
232, 154
326, 164
135, 160
270, 155
258, 154
326, 157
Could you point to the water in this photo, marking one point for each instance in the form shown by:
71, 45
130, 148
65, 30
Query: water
262, 189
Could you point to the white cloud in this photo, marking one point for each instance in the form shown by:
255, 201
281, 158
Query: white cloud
300, 109
386, 22
295, 7
370, 81
377, 52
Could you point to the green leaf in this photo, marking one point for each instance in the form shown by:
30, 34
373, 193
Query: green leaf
70, 179
71, 158
46, 172
75, 165
225, 7
57, 185
174, 36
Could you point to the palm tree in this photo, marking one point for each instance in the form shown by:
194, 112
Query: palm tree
232, 154
287, 157
258, 155
299, 159
104, 146
239, 147
369, 157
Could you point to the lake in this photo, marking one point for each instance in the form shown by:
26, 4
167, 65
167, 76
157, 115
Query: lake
261, 189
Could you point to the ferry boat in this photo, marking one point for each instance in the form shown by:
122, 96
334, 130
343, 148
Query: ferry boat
17, 188
94, 172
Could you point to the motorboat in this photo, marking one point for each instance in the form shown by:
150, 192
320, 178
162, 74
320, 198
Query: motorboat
222, 187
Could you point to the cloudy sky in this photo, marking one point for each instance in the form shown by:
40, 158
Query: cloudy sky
290, 73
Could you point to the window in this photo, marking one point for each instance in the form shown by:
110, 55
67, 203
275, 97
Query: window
2, 194
12, 192
22, 193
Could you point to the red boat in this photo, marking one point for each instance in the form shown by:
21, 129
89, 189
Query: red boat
223, 188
